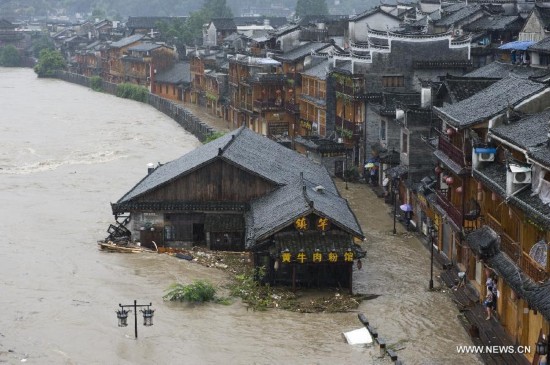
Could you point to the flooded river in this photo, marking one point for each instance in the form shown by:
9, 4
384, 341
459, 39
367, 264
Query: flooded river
66, 152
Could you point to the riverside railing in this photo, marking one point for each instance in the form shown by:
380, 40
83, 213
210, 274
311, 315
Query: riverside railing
180, 114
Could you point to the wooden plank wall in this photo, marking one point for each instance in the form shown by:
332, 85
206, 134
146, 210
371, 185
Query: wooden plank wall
218, 181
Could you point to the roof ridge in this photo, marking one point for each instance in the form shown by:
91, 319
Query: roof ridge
233, 138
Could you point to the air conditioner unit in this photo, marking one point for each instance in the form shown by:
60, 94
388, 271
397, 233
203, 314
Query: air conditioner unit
521, 174
522, 177
485, 154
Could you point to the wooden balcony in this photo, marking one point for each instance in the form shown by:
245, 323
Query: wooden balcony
453, 213
509, 247
292, 108
453, 152
245, 106
261, 106
532, 268
356, 91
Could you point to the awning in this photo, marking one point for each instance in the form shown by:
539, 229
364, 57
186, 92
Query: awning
517, 45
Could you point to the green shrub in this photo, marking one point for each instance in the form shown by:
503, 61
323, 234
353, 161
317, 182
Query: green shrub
96, 83
213, 136
9, 56
198, 292
132, 91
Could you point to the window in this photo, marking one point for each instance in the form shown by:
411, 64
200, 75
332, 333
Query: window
382, 130
405, 143
393, 81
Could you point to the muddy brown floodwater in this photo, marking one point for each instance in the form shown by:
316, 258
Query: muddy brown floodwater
66, 152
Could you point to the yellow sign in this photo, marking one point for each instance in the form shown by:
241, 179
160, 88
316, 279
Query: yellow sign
332, 256
323, 224
301, 257
286, 256
348, 256
301, 224
317, 257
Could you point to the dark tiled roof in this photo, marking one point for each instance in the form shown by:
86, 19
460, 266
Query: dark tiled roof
544, 13
500, 70
145, 47
179, 73
372, 12
391, 99
541, 46
224, 24
495, 22
397, 171
453, 7
464, 13
275, 22
150, 22
528, 133
242, 147
127, 41
319, 71
302, 51
489, 101
460, 88
537, 295
288, 28
447, 161
281, 208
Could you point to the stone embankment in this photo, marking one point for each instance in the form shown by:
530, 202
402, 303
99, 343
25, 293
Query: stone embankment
180, 114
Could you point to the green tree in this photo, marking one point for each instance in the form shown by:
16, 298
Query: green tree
49, 62
311, 7
40, 43
191, 32
9, 56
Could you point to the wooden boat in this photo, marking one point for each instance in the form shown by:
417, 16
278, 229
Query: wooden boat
110, 246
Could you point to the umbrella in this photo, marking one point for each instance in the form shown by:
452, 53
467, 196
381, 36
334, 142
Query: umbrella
406, 208
370, 165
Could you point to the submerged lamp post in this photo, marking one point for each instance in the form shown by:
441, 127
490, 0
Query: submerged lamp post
542, 346
122, 315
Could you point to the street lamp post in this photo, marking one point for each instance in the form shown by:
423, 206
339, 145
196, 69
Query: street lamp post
122, 315
432, 232
394, 189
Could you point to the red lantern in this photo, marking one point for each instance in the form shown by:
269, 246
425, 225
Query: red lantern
449, 180
459, 190
438, 170
450, 131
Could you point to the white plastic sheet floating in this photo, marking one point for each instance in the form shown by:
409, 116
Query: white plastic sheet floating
359, 336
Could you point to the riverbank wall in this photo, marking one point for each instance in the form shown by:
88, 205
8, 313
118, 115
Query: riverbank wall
181, 115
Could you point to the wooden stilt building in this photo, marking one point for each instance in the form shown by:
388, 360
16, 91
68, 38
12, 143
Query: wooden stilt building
244, 192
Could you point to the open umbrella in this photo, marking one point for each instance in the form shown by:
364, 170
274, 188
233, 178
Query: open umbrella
406, 207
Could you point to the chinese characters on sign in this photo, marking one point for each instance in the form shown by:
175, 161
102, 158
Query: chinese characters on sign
301, 224
317, 256
323, 224
286, 256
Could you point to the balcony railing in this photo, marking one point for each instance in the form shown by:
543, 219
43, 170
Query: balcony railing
267, 78
453, 213
246, 106
453, 152
292, 108
532, 268
509, 247
260, 105
350, 90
